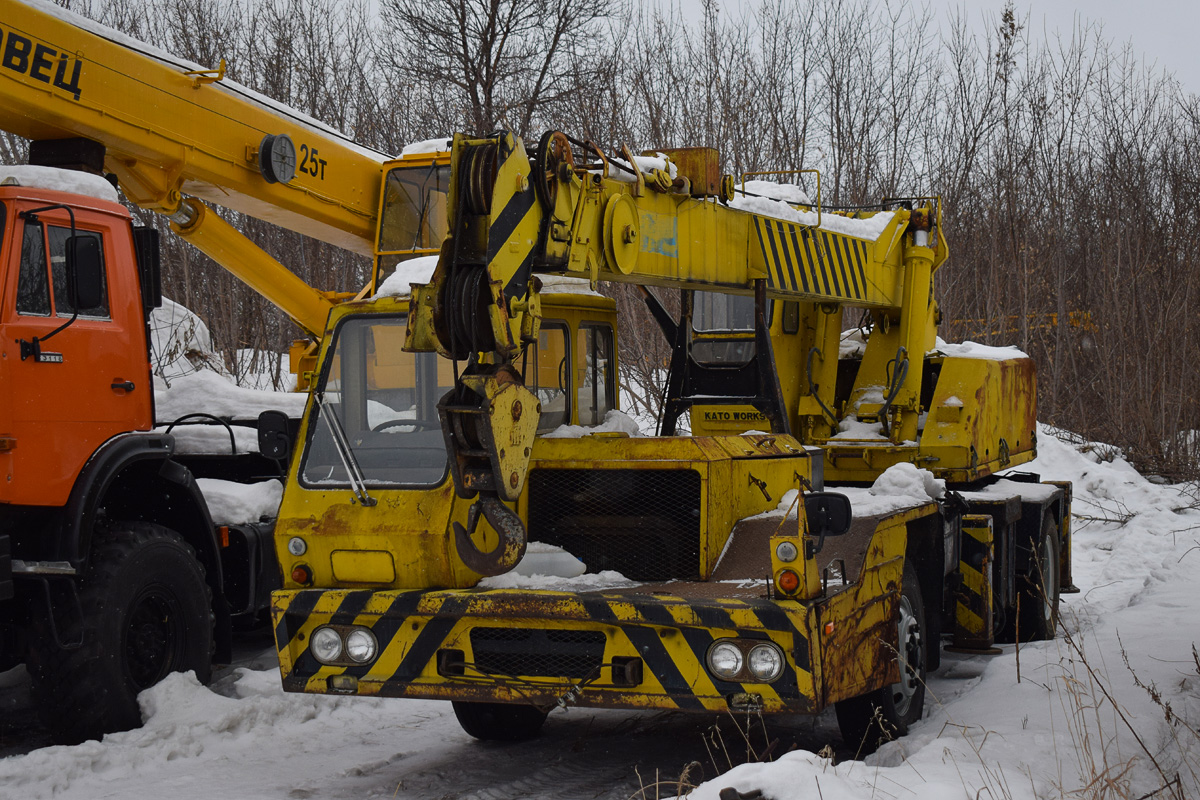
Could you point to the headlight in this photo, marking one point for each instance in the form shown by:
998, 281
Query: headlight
361, 646
765, 662
725, 659
786, 552
326, 645
296, 546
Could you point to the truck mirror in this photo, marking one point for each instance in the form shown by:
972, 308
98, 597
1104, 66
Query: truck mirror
85, 271
274, 435
828, 513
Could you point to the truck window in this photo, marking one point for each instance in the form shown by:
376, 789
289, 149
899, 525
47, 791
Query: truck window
596, 381
58, 267
33, 284
386, 402
549, 379
414, 212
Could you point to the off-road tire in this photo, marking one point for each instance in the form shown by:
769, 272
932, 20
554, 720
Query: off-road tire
499, 722
869, 720
1039, 590
147, 612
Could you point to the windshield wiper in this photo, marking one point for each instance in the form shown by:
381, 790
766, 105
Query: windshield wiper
357, 482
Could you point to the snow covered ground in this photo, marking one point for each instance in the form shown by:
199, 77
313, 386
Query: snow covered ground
1074, 722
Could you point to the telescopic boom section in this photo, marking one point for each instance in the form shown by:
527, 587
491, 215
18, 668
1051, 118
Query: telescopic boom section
173, 131
513, 215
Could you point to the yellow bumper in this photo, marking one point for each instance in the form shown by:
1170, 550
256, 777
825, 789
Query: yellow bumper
607, 649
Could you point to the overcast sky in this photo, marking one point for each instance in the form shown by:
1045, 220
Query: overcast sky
1161, 31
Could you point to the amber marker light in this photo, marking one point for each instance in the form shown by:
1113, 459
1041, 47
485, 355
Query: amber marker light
302, 575
788, 581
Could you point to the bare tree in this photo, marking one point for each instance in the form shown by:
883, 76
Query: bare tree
498, 62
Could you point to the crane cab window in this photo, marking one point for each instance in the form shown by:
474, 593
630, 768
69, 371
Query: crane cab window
597, 384
722, 328
41, 278
550, 376
414, 214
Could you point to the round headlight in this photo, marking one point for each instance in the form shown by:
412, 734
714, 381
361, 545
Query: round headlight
725, 659
786, 552
765, 662
326, 645
361, 646
296, 546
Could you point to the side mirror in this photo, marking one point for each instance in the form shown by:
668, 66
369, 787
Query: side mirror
85, 271
274, 435
828, 514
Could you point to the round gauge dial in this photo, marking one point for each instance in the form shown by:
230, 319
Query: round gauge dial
277, 158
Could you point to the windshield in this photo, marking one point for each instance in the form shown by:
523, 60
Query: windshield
414, 208
386, 401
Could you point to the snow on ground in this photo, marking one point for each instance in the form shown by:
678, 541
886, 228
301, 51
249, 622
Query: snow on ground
190, 378
1053, 733
1056, 732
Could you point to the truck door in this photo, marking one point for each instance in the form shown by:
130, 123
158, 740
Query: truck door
93, 379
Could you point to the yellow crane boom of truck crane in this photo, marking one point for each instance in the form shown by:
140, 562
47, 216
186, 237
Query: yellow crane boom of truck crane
402, 495
179, 136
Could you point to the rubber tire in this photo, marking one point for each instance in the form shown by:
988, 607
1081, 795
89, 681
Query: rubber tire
1039, 611
869, 720
143, 580
499, 722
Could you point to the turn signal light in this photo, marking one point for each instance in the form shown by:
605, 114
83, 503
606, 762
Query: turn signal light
302, 575
788, 581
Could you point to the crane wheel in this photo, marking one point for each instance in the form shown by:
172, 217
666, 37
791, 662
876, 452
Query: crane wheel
146, 612
885, 714
1039, 590
499, 722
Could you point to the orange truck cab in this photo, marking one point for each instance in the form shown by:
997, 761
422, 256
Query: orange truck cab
112, 574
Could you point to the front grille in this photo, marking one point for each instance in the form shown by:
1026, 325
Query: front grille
537, 652
642, 523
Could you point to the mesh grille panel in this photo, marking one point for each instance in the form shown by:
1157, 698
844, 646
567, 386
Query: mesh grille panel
537, 652
644, 524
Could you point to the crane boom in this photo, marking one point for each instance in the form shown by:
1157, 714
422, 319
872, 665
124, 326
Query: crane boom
174, 131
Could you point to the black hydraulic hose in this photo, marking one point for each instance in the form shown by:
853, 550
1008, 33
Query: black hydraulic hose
898, 378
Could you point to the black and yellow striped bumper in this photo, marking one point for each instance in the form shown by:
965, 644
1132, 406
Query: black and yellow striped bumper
648, 651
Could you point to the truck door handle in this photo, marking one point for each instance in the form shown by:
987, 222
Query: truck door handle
126, 385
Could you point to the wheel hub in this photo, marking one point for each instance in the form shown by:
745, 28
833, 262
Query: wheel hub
151, 637
909, 657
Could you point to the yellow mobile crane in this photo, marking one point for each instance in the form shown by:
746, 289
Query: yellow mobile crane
751, 588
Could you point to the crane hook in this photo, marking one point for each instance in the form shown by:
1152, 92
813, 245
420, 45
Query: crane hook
508, 550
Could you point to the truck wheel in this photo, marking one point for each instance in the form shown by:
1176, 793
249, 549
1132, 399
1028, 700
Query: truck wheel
880, 716
1039, 590
146, 613
499, 722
